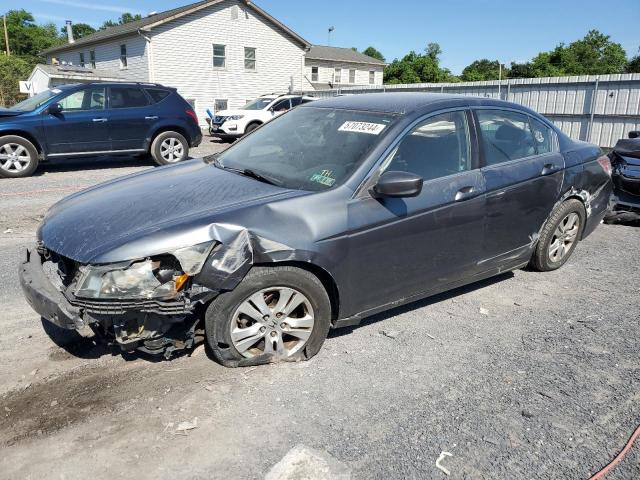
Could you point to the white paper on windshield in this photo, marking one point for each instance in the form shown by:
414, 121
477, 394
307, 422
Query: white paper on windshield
362, 127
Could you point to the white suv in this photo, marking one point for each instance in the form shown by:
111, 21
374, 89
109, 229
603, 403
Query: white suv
236, 123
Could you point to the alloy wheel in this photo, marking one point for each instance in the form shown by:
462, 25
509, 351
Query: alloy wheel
564, 237
274, 321
171, 150
14, 157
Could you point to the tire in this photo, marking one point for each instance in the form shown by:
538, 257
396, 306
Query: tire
222, 314
23, 159
556, 233
162, 145
251, 127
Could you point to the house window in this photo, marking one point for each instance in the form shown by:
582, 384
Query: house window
123, 56
220, 104
219, 56
314, 74
249, 58
81, 59
92, 58
336, 75
352, 76
372, 77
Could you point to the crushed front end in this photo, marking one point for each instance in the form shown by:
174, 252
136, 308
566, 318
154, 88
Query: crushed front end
148, 304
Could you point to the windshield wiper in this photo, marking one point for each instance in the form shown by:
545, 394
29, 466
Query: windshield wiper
247, 172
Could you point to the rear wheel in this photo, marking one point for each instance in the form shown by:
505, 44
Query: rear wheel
169, 148
274, 314
559, 236
18, 157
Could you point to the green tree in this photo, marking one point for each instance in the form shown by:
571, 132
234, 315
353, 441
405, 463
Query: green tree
634, 64
418, 68
79, 30
124, 18
482, 70
26, 38
12, 70
372, 52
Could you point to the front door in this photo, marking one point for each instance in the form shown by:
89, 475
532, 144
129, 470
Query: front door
523, 173
399, 247
132, 118
82, 126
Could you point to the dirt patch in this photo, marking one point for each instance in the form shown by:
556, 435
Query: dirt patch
61, 401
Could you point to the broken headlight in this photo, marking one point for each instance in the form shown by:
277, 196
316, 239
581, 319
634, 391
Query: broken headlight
155, 278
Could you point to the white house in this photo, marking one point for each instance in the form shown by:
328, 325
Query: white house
217, 53
332, 67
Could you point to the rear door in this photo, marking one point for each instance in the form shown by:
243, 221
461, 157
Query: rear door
82, 126
523, 172
399, 247
132, 117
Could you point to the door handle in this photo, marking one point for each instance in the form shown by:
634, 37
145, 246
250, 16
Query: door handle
465, 193
548, 169
152, 117
99, 120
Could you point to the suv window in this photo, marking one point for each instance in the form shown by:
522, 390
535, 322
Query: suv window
85, 99
127, 97
157, 94
505, 136
436, 148
295, 101
282, 105
543, 136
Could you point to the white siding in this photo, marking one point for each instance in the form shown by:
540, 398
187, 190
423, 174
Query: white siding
108, 57
182, 56
326, 71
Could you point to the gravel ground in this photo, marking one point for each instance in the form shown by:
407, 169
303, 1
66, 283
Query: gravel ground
543, 384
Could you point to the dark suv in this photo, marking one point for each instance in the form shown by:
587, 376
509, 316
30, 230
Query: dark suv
95, 119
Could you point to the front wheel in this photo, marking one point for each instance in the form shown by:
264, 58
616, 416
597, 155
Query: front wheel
559, 236
18, 157
274, 314
169, 148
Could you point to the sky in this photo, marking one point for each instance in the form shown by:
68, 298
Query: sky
505, 30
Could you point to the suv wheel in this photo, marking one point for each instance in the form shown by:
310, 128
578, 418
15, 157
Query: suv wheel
559, 236
18, 157
169, 148
251, 127
274, 314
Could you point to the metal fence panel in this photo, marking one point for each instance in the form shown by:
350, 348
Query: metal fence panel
599, 109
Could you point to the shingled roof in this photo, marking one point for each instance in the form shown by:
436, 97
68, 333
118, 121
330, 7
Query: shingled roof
336, 54
151, 21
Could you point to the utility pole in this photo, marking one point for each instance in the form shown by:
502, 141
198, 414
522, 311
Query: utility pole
6, 34
331, 29
499, 80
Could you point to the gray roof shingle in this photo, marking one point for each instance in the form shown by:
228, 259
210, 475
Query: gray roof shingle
147, 23
337, 54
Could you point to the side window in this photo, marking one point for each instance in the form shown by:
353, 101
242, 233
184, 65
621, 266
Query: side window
127, 97
505, 136
87, 99
282, 106
543, 136
157, 94
295, 101
436, 148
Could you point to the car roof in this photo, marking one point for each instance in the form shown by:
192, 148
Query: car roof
409, 102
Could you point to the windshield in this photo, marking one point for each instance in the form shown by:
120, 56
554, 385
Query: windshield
308, 148
34, 102
258, 104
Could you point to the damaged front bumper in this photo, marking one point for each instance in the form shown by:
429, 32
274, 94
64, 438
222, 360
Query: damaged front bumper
150, 325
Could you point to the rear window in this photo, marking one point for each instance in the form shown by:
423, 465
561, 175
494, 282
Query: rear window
157, 94
127, 97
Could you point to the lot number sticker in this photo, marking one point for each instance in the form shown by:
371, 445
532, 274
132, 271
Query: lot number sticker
362, 127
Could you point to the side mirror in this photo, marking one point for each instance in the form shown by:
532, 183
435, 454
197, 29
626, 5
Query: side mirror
54, 109
634, 134
398, 184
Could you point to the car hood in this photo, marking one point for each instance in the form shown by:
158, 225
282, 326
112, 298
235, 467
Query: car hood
150, 213
5, 112
229, 113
